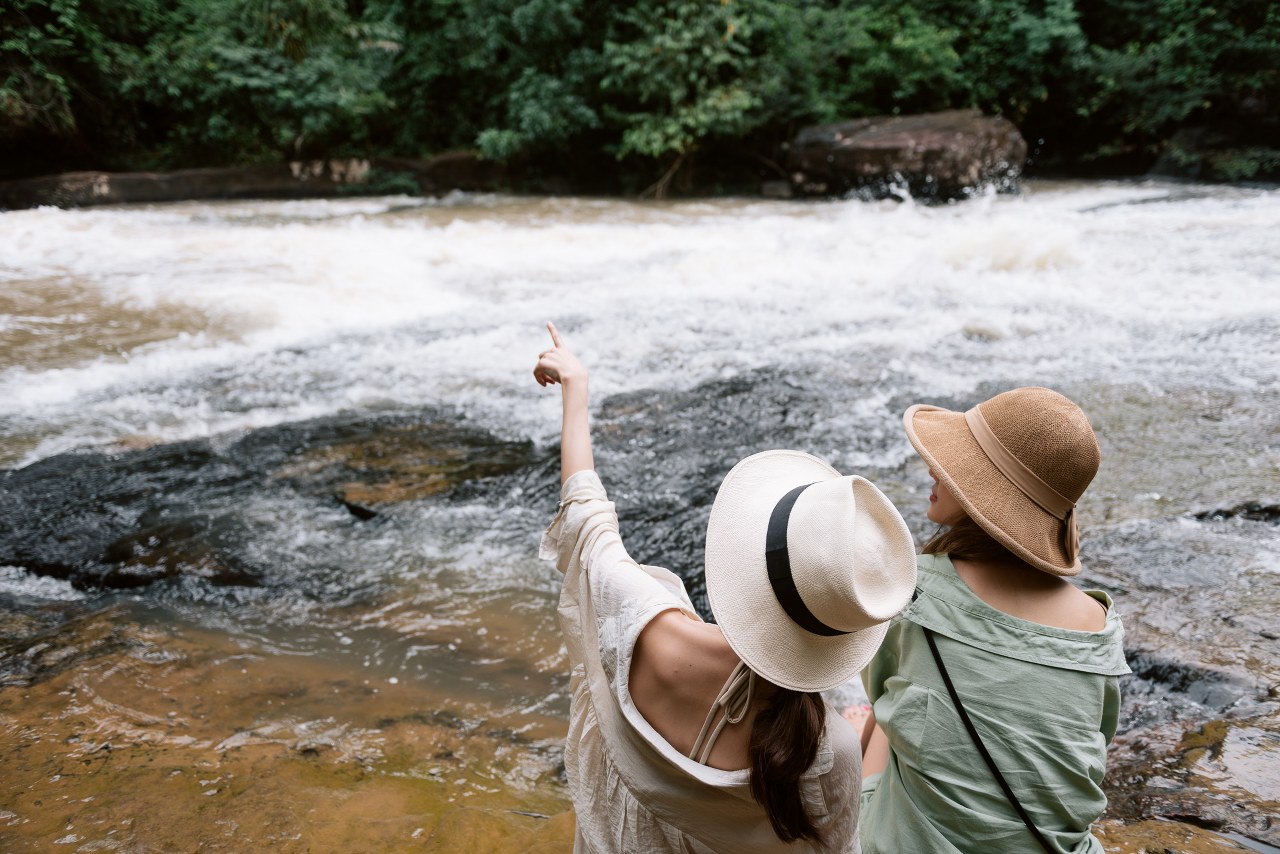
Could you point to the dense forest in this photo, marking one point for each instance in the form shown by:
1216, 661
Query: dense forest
599, 96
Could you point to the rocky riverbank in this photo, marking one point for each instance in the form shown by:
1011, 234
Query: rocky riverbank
933, 156
125, 723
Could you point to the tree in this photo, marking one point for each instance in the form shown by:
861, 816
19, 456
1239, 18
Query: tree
244, 80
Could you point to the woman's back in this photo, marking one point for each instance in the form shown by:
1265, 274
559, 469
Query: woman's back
679, 668
1045, 700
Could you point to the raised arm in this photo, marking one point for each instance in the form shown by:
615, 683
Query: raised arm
558, 365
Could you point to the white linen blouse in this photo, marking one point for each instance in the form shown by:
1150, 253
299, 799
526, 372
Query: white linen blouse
632, 791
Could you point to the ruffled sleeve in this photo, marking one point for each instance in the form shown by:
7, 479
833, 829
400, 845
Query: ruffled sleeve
584, 510
620, 593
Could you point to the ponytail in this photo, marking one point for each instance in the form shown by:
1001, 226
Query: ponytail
784, 742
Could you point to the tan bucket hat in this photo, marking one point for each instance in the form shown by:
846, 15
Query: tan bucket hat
805, 567
1017, 464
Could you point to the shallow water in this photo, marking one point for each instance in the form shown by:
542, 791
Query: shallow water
300, 347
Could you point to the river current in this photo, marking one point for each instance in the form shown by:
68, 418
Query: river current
712, 329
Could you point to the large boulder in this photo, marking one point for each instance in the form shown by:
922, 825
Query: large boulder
936, 156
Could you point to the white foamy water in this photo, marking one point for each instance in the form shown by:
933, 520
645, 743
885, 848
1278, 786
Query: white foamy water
22, 585
277, 311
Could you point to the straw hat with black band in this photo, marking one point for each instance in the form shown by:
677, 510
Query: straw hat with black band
1017, 464
805, 567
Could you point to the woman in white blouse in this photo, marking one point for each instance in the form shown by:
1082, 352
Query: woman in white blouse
686, 736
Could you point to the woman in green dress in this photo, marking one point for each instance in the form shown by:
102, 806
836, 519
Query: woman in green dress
1032, 660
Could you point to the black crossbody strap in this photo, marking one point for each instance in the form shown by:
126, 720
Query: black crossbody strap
977, 742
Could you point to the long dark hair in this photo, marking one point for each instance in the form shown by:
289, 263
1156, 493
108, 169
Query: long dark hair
784, 742
966, 540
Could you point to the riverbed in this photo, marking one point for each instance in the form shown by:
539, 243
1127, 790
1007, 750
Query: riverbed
275, 474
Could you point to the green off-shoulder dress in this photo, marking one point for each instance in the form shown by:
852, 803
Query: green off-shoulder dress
1044, 700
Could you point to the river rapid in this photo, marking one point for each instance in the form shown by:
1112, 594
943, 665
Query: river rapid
276, 472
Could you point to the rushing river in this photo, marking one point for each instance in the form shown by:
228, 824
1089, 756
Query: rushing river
278, 470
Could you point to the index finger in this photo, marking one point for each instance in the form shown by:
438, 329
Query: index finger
555, 336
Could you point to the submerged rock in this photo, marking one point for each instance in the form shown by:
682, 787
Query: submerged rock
938, 156
143, 739
1254, 511
399, 461
1163, 836
1220, 775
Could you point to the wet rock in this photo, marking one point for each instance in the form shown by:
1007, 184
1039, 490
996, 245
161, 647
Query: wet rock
185, 509
364, 514
1253, 511
65, 513
17, 625
936, 155
1219, 775
1194, 656
67, 646
1162, 836
1137, 425
400, 460
200, 546
1214, 690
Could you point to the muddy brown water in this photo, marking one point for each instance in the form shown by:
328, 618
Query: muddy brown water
277, 472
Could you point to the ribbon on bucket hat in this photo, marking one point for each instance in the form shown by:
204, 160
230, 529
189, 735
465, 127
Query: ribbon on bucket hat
1049, 499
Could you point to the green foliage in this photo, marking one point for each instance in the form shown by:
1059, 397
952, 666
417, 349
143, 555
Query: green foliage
581, 88
1243, 164
61, 66
197, 82
1193, 63
677, 71
36, 40
508, 75
255, 79
879, 58
541, 111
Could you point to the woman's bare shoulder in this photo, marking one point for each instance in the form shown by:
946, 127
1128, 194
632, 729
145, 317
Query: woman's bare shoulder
1086, 614
1033, 596
674, 649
